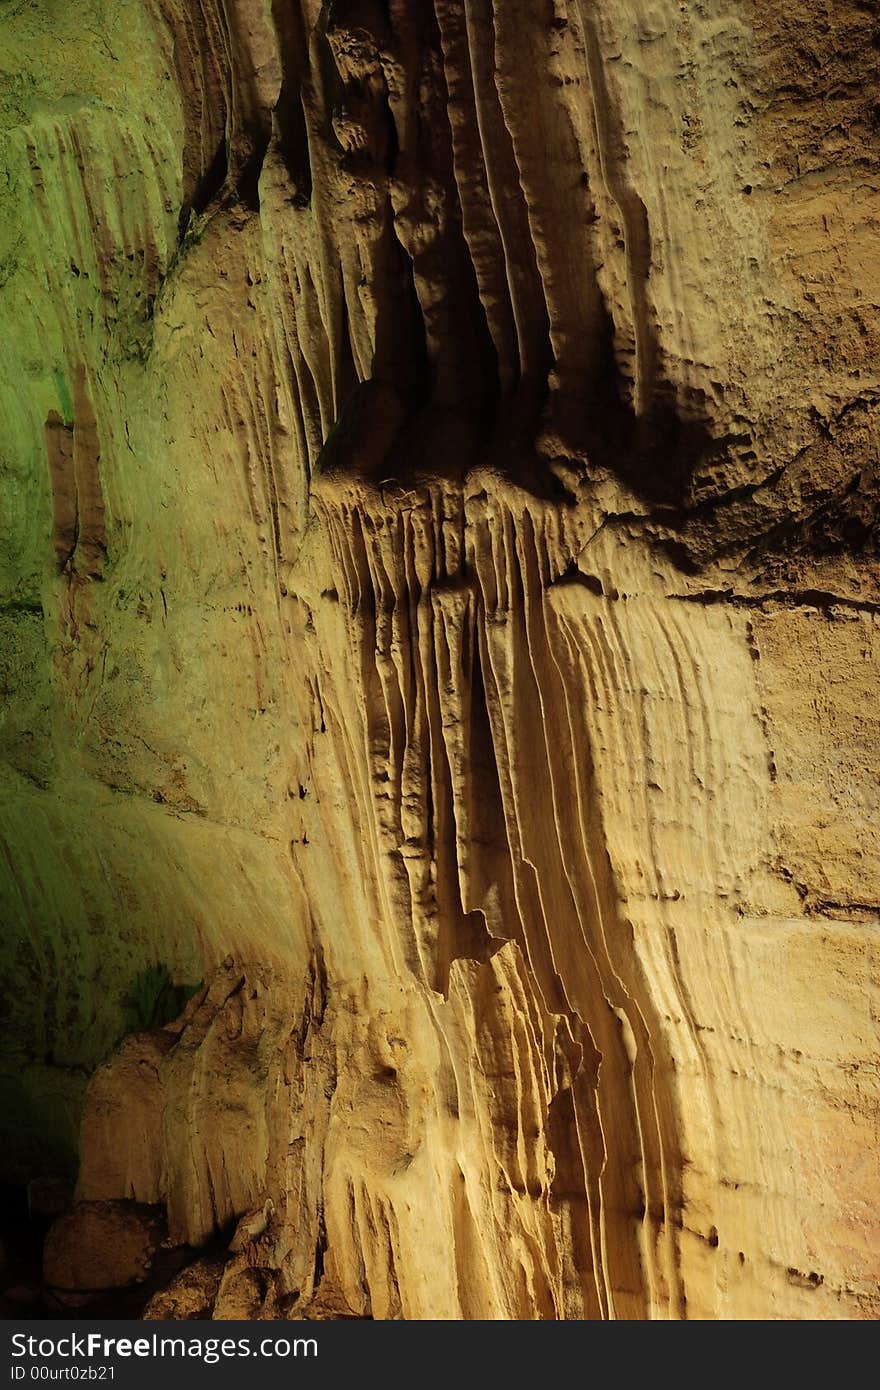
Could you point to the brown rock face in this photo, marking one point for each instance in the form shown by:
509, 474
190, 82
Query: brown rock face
451, 635
190, 1295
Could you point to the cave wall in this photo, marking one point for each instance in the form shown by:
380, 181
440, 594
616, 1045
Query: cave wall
439, 591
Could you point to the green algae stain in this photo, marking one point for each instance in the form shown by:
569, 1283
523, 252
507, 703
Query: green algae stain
64, 397
18, 91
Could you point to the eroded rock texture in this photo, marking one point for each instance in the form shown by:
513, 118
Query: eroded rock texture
441, 617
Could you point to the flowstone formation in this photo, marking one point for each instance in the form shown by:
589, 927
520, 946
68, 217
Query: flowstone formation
440, 607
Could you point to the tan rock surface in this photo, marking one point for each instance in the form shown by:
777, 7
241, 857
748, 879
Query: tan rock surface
441, 599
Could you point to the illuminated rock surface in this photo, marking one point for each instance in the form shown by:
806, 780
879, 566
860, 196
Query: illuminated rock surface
440, 615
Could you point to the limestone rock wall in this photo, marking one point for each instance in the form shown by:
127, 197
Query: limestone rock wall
440, 578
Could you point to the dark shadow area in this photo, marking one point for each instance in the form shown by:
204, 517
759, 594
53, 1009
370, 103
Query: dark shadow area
207, 187
26, 1215
288, 118
153, 999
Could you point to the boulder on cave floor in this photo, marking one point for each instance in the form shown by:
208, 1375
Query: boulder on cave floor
98, 1246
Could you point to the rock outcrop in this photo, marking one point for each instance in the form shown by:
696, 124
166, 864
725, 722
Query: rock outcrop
440, 604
